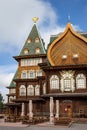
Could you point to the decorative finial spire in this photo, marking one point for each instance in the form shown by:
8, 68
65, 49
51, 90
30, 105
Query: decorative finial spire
35, 19
68, 18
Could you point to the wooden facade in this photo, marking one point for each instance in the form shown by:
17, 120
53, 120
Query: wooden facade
53, 85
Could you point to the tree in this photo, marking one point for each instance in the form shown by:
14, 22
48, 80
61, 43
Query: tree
1, 103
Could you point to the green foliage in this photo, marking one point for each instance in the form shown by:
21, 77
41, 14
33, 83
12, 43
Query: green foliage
1, 101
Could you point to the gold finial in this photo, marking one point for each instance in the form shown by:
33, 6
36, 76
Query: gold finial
35, 19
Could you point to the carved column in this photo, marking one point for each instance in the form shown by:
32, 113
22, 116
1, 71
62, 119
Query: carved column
30, 110
51, 110
57, 109
22, 111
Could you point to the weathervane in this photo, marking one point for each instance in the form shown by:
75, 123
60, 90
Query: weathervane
35, 19
69, 18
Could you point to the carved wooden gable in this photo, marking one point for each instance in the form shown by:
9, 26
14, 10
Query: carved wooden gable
69, 48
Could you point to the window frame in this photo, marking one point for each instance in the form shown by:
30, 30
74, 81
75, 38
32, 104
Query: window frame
30, 90
22, 90
54, 81
80, 77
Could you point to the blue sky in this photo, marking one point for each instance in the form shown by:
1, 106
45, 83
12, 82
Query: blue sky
16, 23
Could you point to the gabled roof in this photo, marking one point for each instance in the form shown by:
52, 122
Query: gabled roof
32, 45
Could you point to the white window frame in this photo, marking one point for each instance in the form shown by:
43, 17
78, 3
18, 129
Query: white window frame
67, 84
31, 62
37, 90
54, 82
80, 81
38, 50
33, 74
22, 74
39, 73
10, 99
30, 90
22, 90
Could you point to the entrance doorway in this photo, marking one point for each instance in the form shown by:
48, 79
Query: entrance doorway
66, 108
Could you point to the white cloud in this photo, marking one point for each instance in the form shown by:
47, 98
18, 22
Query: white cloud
16, 21
6, 75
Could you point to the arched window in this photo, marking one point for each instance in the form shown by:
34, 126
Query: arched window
30, 90
26, 51
37, 50
54, 82
37, 90
80, 81
31, 74
29, 41
10, 99
44, 88
24, 74
36, 40
22, 90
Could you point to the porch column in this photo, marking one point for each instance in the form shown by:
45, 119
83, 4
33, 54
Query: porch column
30, 110
22, 111
51, 110
57, 109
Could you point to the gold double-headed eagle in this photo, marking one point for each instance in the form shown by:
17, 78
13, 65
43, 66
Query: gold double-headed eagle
35, 19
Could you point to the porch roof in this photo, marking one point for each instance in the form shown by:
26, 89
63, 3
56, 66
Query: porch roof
84, 95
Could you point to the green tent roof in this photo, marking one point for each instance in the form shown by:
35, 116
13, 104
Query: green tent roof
12, 84
32, 45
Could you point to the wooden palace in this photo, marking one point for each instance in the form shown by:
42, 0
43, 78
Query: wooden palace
50, 83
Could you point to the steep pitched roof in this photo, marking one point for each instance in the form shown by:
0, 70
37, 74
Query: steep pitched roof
30, 44
12, 84
53, 37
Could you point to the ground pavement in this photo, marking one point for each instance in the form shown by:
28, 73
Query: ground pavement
43, 126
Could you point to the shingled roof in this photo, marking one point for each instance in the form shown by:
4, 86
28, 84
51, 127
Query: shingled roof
12, 84
53, 37
31, 45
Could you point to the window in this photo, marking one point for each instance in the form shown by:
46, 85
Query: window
54, 82
12, 91
37, 90
31, 62
64, 57
10, 99
37, 50
80, 81
31, 74
67, 84
75, 56
22, 90
25, 51
37, 40
30, 90
24, 74
29, 41
67, 81
38, 73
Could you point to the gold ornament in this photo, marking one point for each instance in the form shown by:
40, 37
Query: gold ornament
35, 19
